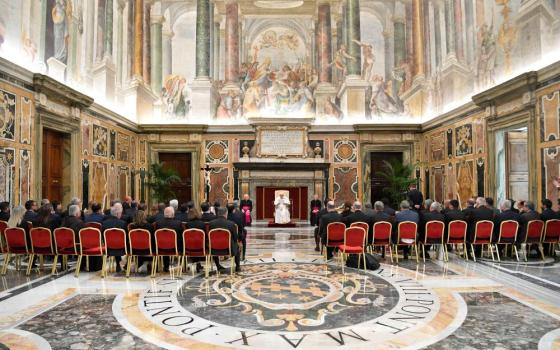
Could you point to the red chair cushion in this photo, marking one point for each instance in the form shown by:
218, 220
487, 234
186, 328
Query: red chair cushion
351, 249
382, 232
335, 234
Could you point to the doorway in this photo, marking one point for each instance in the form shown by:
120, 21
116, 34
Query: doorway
56, 166
265, 202
182, 164
378, 183
512, 165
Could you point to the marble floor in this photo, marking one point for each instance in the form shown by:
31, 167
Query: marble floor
287, 297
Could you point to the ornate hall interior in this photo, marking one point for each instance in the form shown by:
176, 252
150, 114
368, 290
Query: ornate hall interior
130, 128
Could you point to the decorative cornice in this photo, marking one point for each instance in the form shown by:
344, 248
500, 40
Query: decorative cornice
172, 128
526, 82
51, 87
388, 127
280, 165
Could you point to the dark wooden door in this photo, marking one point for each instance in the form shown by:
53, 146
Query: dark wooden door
378, 183
182, 164
52, 165
517, 165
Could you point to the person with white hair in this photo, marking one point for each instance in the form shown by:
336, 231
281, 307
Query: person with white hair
331, 216
114, 220
405, 214
73, 220
359, 216
174, 204
506, 213
479, 213
169, 222
433, 214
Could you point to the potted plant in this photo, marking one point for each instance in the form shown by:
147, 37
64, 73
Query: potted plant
159, 181
399, 178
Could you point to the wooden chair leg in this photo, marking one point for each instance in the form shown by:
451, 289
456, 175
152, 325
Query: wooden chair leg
128, 263
423, 253
29, 264
416, 250
55, 260
390, 253
472, 252
497, 251
515, 250
364, 257
78, 264
87, 263
6, 262
397, 252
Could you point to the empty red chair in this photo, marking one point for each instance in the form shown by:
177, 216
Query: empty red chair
16, 244
41, 244
551, 233
534, 235
335, 236
65, 245
483, 236
355, 239
406, 236
507, 236
166, 245
115, 245
433, 235
90, 245
219, 244
457, 234
96, 225
382, 236
140, 245
194, 241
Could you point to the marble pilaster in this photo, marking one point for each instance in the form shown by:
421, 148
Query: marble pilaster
120, 41
231, 73
449, 6
216, 50
202, 39
418, 40
324, 50
156, 53
108, 32
138, 38
167, 53
353, 34
146, 39
459, 30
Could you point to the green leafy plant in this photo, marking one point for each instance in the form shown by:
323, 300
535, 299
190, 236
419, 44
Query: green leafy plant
159, 181
398, 177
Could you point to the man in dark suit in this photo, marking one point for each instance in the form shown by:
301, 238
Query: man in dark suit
379, 213
114, 220
359, 216
405, 214
490, 205
434, 214
415, 197
30, 211
222, 222
467, 212
479, 213
181, 215
547, 212
506, 214
528, 214
314, 208
131, 211
4, 211
235, 215
331, 216
387, 208
453, 212
246, 206
96, 215
73, 221
159, 215
169, 222
321, 212
207, 215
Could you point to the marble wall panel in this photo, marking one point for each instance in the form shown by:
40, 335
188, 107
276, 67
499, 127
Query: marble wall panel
217, 151
100, 141
26, 113
345, 185
465, 180
438, 174
8, 103
437, 147
123, 147
550, 116
550, 165
7, 173
99, 182
463, 140
219, 185
86, 139
24, 175
345, 151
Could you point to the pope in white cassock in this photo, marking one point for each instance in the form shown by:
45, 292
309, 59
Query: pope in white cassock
282, 214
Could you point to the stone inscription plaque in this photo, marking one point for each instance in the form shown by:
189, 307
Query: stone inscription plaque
275, 142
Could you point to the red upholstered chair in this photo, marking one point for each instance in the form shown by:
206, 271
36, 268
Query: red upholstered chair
434, 231
382, 236
166, 245
16, 244
115, 245
483, 236
406, 236
551, 233
64, 244
140, 245
335, 236
535, 229
90, 245
355, 239
219, 244
194, 246
457, 234
508, 236
41, 245
96, 225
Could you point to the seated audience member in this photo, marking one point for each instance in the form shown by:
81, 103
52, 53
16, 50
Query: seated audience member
46, 219
44, 201
4, 211
453, 213
434, 214
321, 212
114, 220
175, 205
528, 214
207, 215
16, 220
235, 215
368, 209
30, 211
446, 206
139, 221
331, 216
158, 215
73, 221
193, 222
169, 222
74, 201
387, 208
57, 207
182, 215
347, 209
359, 216
96, 214
107, 211
490, 205
142, 206
222, 222
130, 211
506, 214
379, 213
547, 212
479, 213
190, 205
519, 205
425, 208
405, 214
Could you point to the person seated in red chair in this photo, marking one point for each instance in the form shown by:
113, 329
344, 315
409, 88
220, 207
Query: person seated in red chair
434, 214
4, 211
73, 221
115, 221
96, 215
46, 218
171, 223
331, 216
359, 216
222, 222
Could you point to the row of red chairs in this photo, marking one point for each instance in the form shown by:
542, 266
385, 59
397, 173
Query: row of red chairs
538, 232
114, 243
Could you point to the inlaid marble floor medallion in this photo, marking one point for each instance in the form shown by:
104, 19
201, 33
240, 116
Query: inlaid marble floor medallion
291, 304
